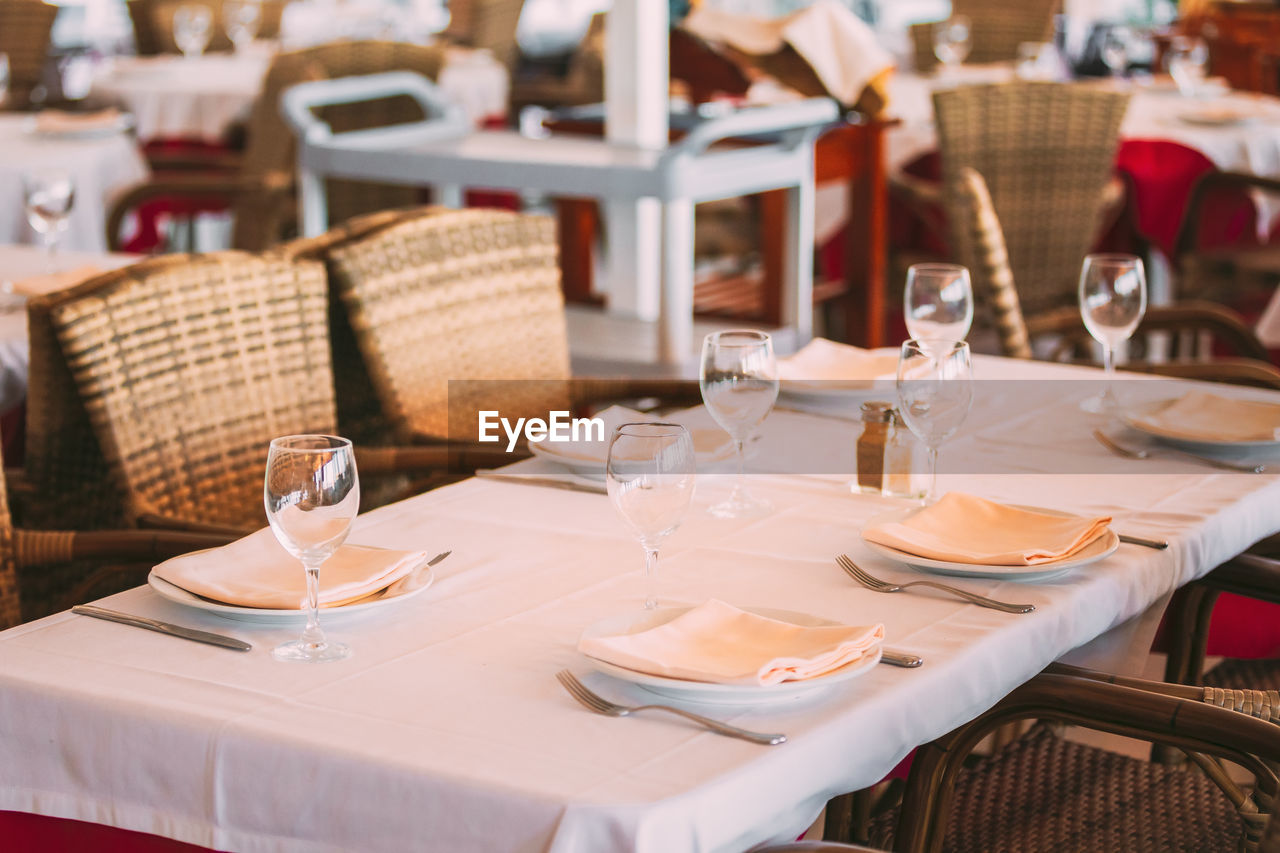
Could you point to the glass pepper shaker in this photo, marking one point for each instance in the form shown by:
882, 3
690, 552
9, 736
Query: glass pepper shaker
877, 424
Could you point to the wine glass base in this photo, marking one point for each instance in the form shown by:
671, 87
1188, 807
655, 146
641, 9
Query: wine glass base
1098, 405
303, 651
741, 506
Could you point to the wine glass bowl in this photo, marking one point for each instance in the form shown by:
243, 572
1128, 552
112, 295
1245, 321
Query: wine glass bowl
738, 378
1186, 60
650, 479
1113, 300
935, 393
312, 495
191, 28
241, 19
938, 302
48, 197
952, 40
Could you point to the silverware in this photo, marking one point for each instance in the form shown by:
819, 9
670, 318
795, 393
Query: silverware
1158, 544
600, 705
162, 627
894, 658
1138, 453
547, 482
860, 575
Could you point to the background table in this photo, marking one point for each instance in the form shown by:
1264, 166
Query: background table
101, 166
448, 724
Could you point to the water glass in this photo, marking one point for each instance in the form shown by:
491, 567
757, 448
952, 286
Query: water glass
935, 392
1187, 60
312, 494
191, 28
241, 18
938, 302
952, 40
650, 476
1113, 299
739, 382
48, 197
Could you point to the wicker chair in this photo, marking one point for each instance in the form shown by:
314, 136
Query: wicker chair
998, 27
1192, 333
185, 368
429, 295
1044, 793
153, 24
25, 27
1228, 274
257, 186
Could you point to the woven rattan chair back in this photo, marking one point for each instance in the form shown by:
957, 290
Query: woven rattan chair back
25, 27
434, 295
997, 28
355, 58
992, 277
10, 600
487, 24
188, 370
1046, 151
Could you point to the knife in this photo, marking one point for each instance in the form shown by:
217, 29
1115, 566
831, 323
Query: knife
162, 627
1138, 540
900, 658
549, 482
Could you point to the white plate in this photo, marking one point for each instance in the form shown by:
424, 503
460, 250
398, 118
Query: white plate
1101, 548
123, 123
719, 694
1131, 416
1217, 118
407, 587
594, 468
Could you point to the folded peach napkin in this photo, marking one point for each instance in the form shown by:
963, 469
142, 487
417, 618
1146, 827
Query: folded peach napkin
1207, 417
38, 285
717, 642
713, 442
966, 529
822, 360
61, 121
256, 571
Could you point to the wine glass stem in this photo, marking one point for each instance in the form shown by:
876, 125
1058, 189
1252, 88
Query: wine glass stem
312, 635
1109, 370
740, 481
933, 476
650, 578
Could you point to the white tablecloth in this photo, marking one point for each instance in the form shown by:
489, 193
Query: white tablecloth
17, 263
447, 729
101, 167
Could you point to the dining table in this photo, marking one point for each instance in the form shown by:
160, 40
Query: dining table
447, 728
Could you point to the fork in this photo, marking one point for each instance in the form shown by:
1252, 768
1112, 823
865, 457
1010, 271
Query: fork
600, 705
860, 575
1133, 453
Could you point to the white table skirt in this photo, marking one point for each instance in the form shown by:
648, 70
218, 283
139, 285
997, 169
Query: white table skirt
102, 168
447, 729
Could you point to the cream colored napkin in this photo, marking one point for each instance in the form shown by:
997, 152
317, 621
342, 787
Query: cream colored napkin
967, 529
1201, 416
843, 52
61, 121
38, 285
256, 571
822, 360
713, 442
717, 642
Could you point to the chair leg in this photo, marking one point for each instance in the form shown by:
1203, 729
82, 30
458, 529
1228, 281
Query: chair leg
1190, 613
838, 824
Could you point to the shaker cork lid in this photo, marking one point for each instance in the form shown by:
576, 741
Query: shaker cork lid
877, 412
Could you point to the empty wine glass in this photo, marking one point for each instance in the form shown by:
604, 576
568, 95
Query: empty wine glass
952, 40
241, 19
1186, 60
935, 391
1113, 298
48, 196
739, 382
312, 494
938, 302
191, 23
650, 474
1115, 50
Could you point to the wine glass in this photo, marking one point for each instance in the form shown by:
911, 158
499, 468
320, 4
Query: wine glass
241, 19
935, 391
48, 196
1113, 298
191, 22
650, 473
1115, 51
1186, 61
938, 302
4, 78
739, 382
951, 40
312, 494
